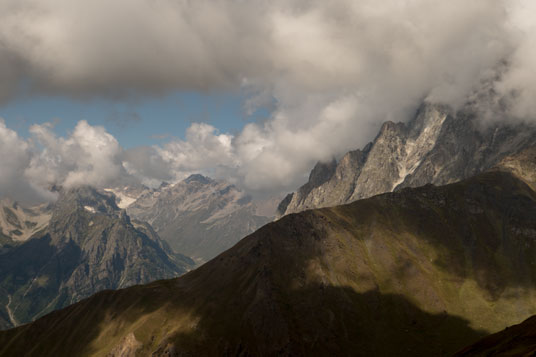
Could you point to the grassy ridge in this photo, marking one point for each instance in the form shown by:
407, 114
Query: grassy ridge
419, 272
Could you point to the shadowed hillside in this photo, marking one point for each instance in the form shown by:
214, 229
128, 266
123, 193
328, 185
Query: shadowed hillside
419, 272
518, 340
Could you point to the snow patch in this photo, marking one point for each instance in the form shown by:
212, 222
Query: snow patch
122, 200
90, 209
416, 150
29, 220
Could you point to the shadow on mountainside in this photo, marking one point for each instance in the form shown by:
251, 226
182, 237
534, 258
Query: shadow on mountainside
323, 321
31, 274
256, 299
518, 340
349, 280
319, 320
482, 228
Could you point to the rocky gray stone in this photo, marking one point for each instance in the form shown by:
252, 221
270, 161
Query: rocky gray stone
199, 216
437, 146
89, 245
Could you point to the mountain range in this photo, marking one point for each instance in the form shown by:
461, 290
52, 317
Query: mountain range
52, 255
198, 216
87, 245
437, 146
420, 271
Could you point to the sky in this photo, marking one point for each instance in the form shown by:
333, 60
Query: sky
140, 122
254, 92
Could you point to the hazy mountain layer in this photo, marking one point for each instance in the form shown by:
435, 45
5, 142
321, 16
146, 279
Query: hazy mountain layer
437, 147
88, 246
198, 216
422, 271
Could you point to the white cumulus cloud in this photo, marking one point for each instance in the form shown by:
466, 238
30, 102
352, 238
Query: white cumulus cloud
332, 70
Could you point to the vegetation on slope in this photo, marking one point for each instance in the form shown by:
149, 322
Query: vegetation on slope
419, 272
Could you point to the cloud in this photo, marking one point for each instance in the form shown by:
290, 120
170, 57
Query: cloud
203, 148
89, 155
14, 160
519, 80
144, 164
153, 46
332, 72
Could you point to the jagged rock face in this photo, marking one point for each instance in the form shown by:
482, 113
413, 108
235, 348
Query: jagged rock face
198, 216
418, 272
126, 195
522, 165
88, 246
437, 147
18, 223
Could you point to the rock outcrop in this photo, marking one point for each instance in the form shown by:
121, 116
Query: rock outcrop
437, 146
89, 245
199, 216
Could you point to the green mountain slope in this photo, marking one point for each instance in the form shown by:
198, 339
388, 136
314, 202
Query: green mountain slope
420, 272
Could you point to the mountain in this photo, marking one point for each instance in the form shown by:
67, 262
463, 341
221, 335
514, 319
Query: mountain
518, 340
126, 195
18, 223
438, 146
521, 164
418, 272
88, 245
198, 216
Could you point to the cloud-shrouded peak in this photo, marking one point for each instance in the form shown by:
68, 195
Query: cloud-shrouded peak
89, 155
203, 146
13, 161
30, 167
333, 72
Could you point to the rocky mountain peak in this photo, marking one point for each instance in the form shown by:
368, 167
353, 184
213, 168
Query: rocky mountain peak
428, 115
18, 222
198, 178
163, 185
418, 272
89, 199
89, 244
322, 172
77, 211
199, 216
522, 165
437, 146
